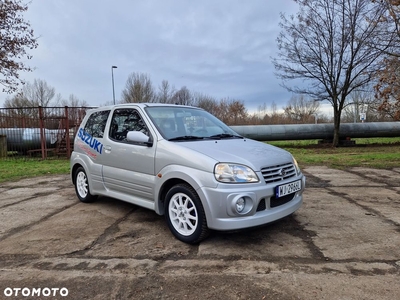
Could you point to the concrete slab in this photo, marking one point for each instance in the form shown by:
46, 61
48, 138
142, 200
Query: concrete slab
380, 175
30, 212
384, 203
344, 230
10, 196
339, 178
141, 234
280, 244
51, 180
73, 229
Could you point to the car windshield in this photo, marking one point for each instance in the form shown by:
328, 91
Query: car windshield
188, 124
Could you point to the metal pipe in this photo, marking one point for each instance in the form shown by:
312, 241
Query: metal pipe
318, 131
22, 139
30, 138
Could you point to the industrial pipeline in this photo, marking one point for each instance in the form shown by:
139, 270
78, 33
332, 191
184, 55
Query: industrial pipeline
23, 139
318, 131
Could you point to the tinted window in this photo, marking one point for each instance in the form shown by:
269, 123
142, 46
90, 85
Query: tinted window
96, 123
124, 120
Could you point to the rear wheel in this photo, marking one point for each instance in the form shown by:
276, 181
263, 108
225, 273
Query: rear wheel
82, 186
185, 214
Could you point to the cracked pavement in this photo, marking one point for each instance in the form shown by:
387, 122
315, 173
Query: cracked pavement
343, 243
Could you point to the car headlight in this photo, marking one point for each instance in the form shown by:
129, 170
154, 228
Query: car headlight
232, 173
298, 171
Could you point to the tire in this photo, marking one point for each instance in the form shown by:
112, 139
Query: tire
185, 214
82, 186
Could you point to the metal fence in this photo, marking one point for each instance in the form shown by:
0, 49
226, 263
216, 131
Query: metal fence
40, 132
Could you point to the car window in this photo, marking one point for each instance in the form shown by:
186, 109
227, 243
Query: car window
174, 122
124, 120
96, 123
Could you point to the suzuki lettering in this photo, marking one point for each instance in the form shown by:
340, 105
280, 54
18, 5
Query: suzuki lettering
91, 141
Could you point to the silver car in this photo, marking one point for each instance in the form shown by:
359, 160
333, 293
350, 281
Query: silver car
185, 164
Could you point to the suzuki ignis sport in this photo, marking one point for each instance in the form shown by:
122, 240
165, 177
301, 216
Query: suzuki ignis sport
185, 164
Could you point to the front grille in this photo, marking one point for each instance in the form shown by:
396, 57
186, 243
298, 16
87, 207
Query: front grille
278, 173
274, 202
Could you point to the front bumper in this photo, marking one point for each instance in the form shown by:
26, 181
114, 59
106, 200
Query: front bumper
222, 215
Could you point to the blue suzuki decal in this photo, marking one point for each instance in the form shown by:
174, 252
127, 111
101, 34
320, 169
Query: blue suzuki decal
91, 141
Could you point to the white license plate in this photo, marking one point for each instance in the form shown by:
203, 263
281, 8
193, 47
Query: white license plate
289, 188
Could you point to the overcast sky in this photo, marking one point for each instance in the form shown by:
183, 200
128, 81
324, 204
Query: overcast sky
221, 48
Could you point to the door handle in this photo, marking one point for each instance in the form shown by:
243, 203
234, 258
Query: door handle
107, 148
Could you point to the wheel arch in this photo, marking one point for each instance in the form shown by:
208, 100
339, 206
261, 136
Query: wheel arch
73, 171
175, 174
167, 185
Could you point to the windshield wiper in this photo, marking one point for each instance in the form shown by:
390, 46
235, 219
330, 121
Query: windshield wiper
185, 138
225, 136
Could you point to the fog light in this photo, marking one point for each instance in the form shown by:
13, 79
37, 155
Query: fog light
240, 204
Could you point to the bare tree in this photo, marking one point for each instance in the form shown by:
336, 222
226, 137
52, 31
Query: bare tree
222, 110
332, 45
22, 112
205, 102
138, 89
231, 112
361, 104
165, 92
274, 117
237, 112
38, 93
391, 24
16, 37
76, 111
17, 101
183, 96
301, 110
74, 101
262, 110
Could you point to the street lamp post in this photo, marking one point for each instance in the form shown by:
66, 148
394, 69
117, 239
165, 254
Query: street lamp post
112, 78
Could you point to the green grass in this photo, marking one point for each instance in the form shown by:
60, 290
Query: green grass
14, 169
382, 153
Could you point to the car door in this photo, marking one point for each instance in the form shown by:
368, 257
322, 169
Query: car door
128, 168
89, 141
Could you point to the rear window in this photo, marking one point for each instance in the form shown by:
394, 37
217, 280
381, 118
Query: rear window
96, 123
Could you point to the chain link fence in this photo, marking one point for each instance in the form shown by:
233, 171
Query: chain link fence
39, 132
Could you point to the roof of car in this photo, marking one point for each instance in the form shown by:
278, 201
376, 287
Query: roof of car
142, 105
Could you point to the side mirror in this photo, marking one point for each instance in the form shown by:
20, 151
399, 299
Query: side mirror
139, 137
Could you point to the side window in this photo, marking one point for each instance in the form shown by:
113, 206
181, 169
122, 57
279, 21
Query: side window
96, 123
124, 120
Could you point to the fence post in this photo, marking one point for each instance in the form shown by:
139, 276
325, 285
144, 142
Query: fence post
42, 133
3, 146
67, 138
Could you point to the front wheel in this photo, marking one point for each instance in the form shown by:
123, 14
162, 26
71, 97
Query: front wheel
82, 186
185, 214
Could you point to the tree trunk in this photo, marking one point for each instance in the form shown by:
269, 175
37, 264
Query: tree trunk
336, 118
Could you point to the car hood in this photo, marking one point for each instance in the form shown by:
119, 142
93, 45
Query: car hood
254, 154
